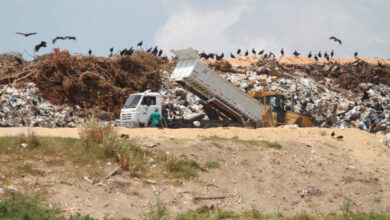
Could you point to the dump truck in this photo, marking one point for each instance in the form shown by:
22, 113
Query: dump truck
223, 103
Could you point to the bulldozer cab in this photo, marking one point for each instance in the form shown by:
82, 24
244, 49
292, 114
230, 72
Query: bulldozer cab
281, 114
277, 104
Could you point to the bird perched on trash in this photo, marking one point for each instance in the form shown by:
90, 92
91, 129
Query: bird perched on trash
160, 53
332, 134
232, 56
246, 53
37, 47
282, 52
111, 50
332, 54
140, 44
355, 54
150, 49
57, 38
70, 37
315, 57
211, 55
254, 51
26, 34
89, 52
326, 56
261, 52
340, 138
309, 55
19, 60
335, 39
238, 51
203, 55
220, 57
155, 51
296, 54
319, 54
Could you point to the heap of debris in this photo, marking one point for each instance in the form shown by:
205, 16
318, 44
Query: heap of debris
317, 89
90, 82
26, 107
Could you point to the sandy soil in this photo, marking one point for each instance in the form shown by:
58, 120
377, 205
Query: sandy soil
311, 172
247, 61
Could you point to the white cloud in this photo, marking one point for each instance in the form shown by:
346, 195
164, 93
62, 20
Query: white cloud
202, 28
299, 24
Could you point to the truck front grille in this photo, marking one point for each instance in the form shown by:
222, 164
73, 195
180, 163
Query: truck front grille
126, 116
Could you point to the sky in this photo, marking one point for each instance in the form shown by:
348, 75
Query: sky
205, 25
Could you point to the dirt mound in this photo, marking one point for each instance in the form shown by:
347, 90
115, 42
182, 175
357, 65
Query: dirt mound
94, 82
311, 171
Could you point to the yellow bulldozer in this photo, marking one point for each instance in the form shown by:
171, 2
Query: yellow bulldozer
277, 113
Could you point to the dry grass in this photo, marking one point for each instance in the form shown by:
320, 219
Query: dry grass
94, 132
30, 138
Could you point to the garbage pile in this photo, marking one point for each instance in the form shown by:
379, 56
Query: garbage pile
366, 106
26, 107
89, 81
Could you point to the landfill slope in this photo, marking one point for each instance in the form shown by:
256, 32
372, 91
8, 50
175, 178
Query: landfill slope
341, 92
312, 172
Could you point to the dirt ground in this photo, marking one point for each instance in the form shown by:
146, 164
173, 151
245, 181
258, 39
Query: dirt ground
312, 172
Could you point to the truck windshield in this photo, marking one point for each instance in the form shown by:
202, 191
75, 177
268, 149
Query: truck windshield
132, 101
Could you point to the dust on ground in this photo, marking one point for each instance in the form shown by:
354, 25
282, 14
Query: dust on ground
312, 172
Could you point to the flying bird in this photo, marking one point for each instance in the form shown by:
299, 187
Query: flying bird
58, 38
282, 52
26, 34
336, 39
238, 51
296, 54
340, 138
42, 44
332, 134
232, 56
70, 37
309, 55
261, 52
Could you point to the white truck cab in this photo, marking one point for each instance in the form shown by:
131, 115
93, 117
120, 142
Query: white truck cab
138, 107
